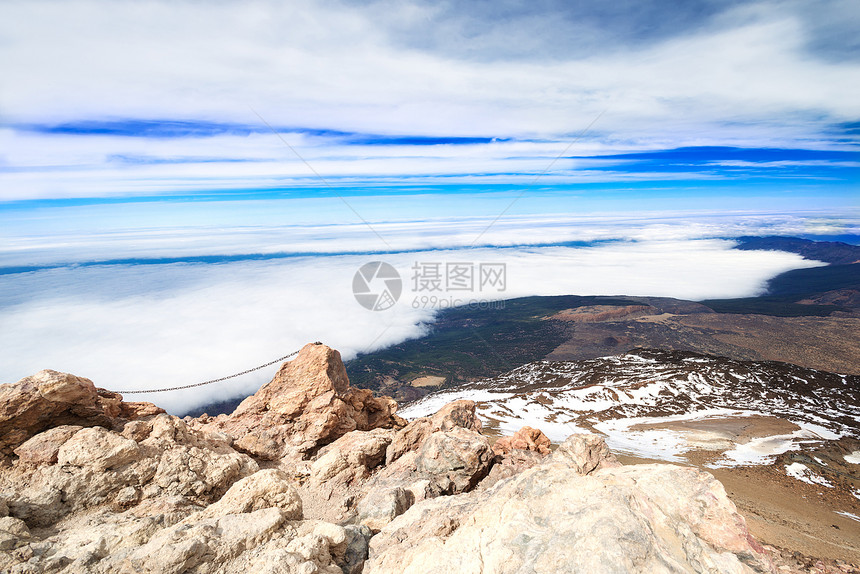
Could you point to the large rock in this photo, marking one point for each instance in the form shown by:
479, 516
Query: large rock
554, 519
308, 404
457, 414
454, 461
584, 453
382, 505
50, 399
350, 458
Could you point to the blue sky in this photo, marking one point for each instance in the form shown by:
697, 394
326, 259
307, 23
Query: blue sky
120, 100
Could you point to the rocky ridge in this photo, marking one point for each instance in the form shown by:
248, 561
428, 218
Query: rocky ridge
310, 475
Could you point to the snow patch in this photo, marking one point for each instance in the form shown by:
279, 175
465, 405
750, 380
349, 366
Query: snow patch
853, 458
802, 473
848, 515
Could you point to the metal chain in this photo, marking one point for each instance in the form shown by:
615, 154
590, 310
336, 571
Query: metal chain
245, 372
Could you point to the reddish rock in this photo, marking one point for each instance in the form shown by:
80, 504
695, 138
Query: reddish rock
527, 438
308, 404
43, 448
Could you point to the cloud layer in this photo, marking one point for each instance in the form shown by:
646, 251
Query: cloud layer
143, 326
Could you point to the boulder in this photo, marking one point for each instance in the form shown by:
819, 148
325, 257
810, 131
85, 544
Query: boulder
382, 505
98, 448
350, 458
50, 399
527, 438
456, 414
96, 466
357, 545
548, 519
271, 488
44, 447
307, 405
454, 461
584, 453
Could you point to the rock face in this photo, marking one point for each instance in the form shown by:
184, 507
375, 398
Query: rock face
308, 404
562, 517
95, 466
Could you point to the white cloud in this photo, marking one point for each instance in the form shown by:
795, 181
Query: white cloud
159, 326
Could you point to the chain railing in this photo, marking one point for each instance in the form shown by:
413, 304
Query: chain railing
209, 382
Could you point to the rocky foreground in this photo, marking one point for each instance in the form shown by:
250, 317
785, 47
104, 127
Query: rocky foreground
310, 475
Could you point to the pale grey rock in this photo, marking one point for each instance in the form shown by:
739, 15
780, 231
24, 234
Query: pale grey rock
382, 505
584, 453
454, 461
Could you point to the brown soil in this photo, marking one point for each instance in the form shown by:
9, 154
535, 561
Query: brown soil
825, 343
427, 381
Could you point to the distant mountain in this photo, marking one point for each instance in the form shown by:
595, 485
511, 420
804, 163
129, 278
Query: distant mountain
835, 252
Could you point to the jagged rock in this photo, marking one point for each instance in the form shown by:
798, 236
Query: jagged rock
456, 414
159, 494
357, 545
454, 461
50, 399
98, 448
514, 462
269, 488
584, 453
382, 505
96, 466
527, 438
308, 404
638, 519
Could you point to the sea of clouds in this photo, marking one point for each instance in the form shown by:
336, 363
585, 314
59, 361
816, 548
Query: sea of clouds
148, 324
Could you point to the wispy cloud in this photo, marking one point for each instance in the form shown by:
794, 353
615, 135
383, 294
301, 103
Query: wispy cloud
104, 98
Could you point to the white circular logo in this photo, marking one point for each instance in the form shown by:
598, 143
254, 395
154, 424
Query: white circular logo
377, 286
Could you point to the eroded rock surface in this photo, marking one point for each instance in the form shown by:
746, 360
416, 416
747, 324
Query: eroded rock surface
50, 399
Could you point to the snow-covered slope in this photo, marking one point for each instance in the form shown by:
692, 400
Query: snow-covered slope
663, 403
